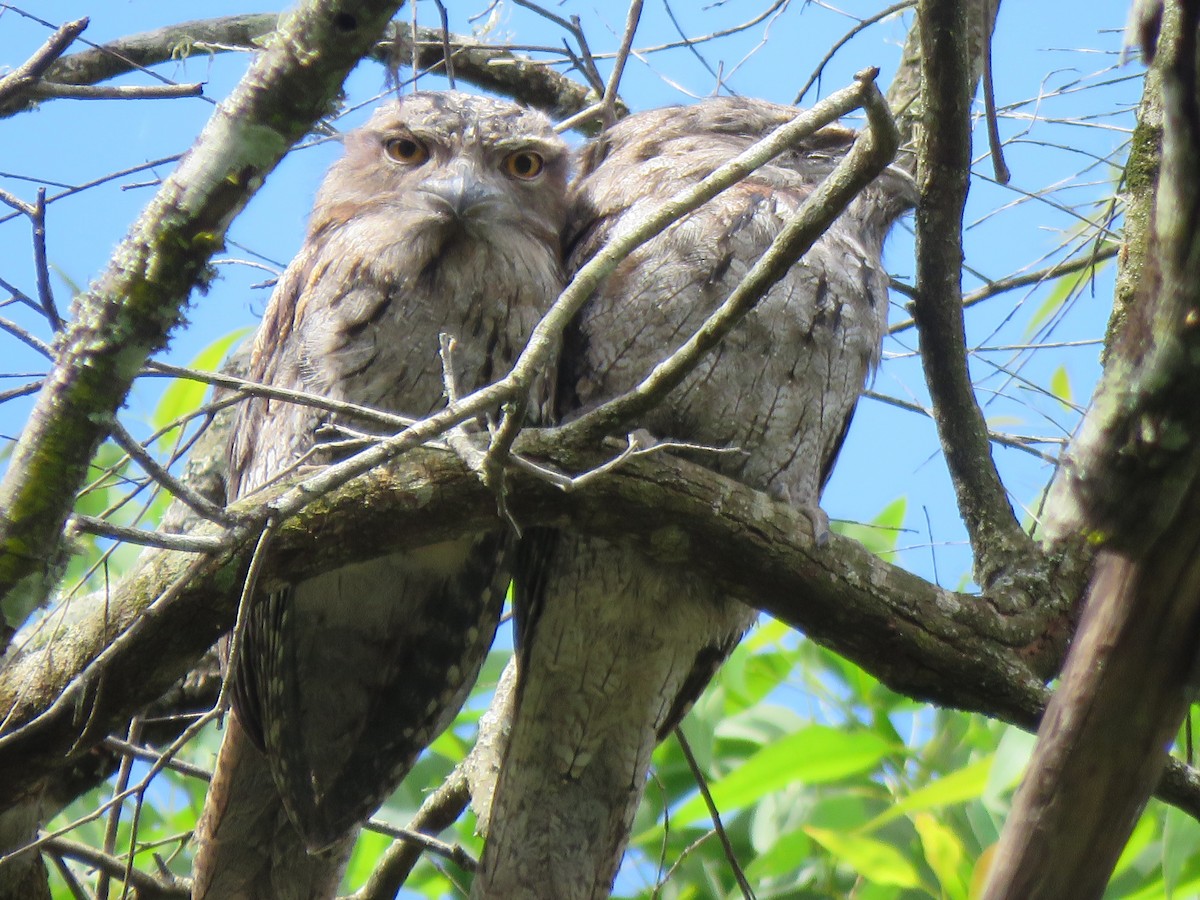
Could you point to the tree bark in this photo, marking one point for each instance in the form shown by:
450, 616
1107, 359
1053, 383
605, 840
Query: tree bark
1129, 481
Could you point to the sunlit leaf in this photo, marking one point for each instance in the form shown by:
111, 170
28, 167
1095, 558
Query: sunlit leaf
814, 755
881, 534
957, 787
983, 865
874, 860
1011, 758
944, 854
183, 395
1181, 837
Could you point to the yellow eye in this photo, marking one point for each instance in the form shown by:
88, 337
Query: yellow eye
524, 164
406, 150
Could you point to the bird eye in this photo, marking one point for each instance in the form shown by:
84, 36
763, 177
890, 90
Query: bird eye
524, 164
406, 150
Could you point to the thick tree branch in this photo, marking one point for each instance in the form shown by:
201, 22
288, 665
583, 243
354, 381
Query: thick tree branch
943, 174
1132, 480
132, 309
922, 640
491, 68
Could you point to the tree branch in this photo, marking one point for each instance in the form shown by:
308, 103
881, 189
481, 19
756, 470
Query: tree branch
924, 641
943, 174
1132, 480
491, 68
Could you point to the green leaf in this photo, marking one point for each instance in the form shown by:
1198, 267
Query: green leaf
944, 853
1011, 758
1157, 890
183, 395
1181, 836
814, 755
367, 850
1064, 289
881, 534
1144, 832
873, 860
957, 787
786, 855
1060, 386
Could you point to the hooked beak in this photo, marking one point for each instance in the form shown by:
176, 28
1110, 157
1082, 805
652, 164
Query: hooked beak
458, 195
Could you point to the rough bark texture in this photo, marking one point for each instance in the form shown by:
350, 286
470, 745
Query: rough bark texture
955, 649
1130, 480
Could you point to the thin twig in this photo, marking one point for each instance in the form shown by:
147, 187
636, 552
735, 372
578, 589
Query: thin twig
440, 809
50, 90
16, 203
995, 145
188, 543
237, 638
114, 813
715, 815
453, 852
1001, 285
27, 338
447, 54
135, 752
862, 25
198, 504
41, 265
457, 438
71, 190
145, 884
586, 61
1006, 440
64, 871
255, 389
632, 18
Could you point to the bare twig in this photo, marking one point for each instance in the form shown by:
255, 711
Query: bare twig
440, 810
237, 637
632, 18
302, 398
447, 53
999, 166
114, 812
33, 68
143, 753
715, 815
202, 506
1039, 276
27, 338
453, 852
862, 25
41, 265
50, 90
110, 866
188, 543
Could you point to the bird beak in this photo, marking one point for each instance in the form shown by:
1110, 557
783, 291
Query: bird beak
458, 194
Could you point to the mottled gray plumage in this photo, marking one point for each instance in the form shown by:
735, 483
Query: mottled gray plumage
617, 646
444, 216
